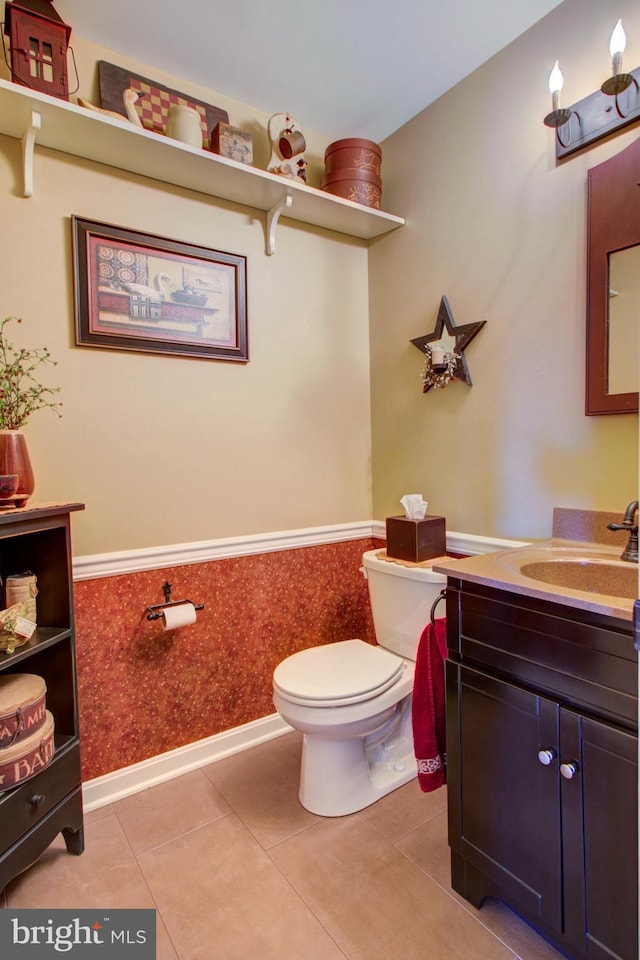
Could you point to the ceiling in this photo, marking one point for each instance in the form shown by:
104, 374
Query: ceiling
343, 68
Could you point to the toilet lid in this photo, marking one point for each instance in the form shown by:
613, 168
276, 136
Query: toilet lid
349, 671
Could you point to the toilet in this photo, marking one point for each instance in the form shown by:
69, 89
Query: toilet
352, 700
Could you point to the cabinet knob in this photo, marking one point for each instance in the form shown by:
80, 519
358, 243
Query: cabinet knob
37, 799
547, 756
569, 770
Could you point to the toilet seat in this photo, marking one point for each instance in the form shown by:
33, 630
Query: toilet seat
337, 674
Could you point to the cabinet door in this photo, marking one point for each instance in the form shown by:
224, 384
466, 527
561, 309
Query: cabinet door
603, 782
504, 803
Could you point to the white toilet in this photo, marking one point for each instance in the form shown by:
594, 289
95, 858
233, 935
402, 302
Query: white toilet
352, 700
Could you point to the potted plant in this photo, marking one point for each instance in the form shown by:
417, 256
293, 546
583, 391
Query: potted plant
21, 394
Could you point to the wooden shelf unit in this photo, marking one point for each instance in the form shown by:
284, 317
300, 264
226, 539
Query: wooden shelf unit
35, 811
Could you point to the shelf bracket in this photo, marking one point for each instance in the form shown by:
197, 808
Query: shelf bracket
28, 144
273, 215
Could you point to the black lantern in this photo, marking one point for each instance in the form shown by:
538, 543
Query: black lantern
39, 40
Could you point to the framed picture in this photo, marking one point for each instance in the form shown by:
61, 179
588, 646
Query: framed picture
144, 293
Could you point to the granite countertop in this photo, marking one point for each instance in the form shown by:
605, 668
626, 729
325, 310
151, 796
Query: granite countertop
570, 542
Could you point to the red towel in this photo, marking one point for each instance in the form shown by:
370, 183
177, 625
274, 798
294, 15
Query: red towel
428, 714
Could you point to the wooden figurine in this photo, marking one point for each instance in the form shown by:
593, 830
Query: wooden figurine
287, 147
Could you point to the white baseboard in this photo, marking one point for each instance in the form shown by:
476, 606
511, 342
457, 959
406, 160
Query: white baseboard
178, 554
138, 776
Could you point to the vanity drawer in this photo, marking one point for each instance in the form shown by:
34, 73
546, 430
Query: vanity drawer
590, 664
25, 805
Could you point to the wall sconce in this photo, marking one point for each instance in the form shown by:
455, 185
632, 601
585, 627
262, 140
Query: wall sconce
595, 116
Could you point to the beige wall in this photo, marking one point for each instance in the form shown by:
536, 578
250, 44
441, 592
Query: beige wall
495, 225
168, 450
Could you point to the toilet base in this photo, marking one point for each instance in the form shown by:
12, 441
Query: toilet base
342, 776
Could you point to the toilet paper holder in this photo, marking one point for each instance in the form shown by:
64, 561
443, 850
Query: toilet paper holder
154, 611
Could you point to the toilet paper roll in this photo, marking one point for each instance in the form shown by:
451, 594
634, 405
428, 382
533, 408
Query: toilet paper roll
179, 616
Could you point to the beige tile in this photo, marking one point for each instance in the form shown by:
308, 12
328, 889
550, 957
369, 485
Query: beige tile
428, 847
99, 813
513, 931
405, 809
374, 901
220, 895
292, 742
168, 810
105, 876
261, 785
164, 946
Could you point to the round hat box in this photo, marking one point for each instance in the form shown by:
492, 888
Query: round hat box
354, 153
353, 184
28, 756
22, 706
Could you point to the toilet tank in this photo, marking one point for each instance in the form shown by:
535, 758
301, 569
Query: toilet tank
401, 599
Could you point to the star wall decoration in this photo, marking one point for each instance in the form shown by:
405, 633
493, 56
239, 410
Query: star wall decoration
462, 336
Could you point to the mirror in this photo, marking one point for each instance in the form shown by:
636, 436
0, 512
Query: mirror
623, 328
613, 284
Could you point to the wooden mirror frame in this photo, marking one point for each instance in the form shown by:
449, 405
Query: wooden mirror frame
613, 224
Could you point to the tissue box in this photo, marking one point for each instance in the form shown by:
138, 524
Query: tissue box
416, 540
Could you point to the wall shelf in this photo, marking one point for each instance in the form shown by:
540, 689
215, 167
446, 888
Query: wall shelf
37, 119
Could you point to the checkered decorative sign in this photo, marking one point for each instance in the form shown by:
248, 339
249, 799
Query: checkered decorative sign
153, 106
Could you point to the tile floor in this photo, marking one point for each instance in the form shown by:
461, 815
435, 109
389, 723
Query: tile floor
238, 869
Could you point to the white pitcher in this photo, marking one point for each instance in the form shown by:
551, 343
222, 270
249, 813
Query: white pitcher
183, 123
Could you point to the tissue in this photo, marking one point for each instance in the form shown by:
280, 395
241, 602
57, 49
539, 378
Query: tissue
179, 616
415, 507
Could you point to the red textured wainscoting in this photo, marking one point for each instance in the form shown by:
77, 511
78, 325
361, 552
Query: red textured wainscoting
143, 691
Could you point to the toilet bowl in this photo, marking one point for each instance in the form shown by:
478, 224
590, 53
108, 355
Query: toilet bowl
352, 700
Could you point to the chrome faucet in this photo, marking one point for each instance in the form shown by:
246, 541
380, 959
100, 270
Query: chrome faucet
631, 550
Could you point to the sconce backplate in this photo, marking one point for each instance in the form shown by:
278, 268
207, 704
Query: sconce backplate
598, 116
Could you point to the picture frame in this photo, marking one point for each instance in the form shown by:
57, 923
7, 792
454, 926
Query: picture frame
149, 294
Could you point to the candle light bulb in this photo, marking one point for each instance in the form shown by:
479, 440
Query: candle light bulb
618, 81
556, 80
618, 40
556, 83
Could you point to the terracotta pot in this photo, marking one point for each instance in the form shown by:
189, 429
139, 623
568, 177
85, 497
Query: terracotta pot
354, 153
14, 458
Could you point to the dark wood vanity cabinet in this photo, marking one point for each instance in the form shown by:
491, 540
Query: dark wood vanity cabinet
542, 766
32, 814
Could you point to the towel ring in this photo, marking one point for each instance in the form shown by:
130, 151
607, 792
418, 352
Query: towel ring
435, 603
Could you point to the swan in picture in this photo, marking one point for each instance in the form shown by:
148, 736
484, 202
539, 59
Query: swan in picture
154, 293
130, 97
